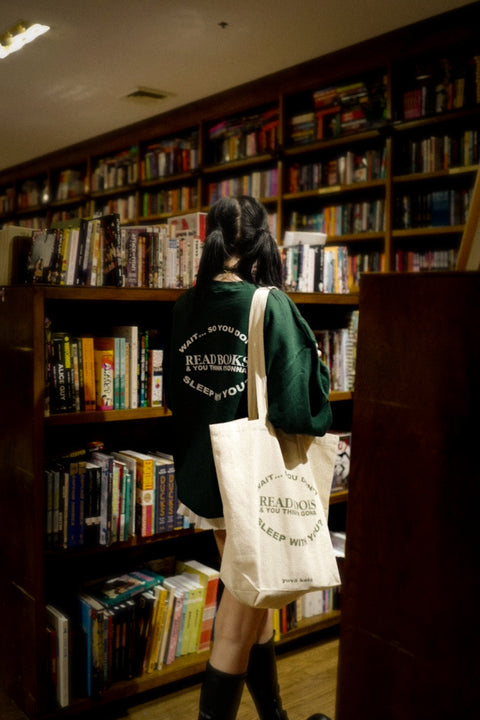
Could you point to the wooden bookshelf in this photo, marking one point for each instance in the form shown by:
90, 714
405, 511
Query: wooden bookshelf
28, 437
122, 165
35, 573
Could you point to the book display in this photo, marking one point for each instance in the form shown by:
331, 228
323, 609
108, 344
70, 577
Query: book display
376, 164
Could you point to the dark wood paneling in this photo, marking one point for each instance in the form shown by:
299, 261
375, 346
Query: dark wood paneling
410, 623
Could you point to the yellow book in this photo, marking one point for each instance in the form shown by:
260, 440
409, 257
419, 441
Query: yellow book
156, 630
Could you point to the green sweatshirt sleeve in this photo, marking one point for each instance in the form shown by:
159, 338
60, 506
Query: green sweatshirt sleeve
297, 380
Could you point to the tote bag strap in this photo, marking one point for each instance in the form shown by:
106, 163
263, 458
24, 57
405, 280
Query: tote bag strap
257, 376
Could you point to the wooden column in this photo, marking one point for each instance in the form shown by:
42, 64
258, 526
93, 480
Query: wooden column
410, 628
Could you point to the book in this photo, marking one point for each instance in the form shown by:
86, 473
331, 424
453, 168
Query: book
145, 492
91, 270
52, 678
121, 499
77, 379
169, 606
176, 621
173, 521
61, 624
117, 589
73, 230
130, 490
105, 461
301, 237
144, 604
196, 221
41, 262
341, 470
209, 579
116, 499
119, 373
155, 377
76, 503
93, 648
191, 612
104, 352
59, 358
121, 618
151, 661
112, 266
88, 366
160, 494
93, 488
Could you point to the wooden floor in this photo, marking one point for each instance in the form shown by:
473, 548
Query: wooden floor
307, 676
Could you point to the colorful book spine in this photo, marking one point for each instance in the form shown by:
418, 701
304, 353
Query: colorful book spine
104, 372
209, 578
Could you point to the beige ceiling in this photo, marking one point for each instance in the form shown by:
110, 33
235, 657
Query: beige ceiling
71, 84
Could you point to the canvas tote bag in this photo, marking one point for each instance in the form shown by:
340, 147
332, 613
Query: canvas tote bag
275, 490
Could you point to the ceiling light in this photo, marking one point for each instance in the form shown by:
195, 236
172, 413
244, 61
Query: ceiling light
18, 36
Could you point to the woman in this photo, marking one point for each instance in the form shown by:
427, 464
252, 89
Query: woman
206, 383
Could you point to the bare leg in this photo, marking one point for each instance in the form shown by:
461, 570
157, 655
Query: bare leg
242, 650
237, 628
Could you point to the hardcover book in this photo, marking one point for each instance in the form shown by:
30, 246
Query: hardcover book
60, 623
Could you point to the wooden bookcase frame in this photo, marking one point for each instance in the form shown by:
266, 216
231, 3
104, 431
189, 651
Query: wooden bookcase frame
23, 425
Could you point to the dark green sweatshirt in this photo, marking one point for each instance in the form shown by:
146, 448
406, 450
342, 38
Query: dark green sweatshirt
206, 374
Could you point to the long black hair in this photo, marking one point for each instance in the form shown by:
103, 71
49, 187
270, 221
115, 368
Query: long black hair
238, 227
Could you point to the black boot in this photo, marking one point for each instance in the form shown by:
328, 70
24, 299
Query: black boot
262, 682
220, 695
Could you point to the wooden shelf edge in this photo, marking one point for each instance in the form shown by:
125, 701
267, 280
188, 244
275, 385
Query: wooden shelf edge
335, 189
426, 176
99, 416
337, 396
318, 298
59, 555
339, 496
54, 292
428, 231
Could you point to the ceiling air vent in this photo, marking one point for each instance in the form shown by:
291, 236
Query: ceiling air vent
143, 94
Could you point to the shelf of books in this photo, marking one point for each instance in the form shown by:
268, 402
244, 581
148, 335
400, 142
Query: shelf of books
361, 155
98, 460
